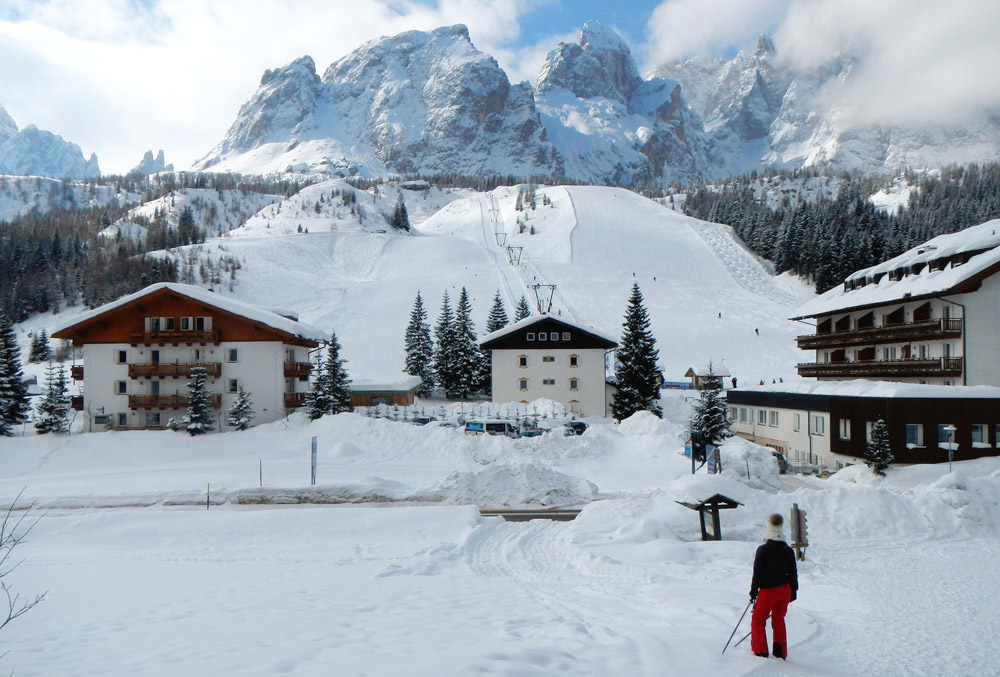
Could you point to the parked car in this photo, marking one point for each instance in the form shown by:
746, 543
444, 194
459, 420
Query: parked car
534, 432
574, 428
491, 427
423, 420
782, 462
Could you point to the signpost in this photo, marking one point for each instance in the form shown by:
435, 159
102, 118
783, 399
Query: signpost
950, 429
314, 460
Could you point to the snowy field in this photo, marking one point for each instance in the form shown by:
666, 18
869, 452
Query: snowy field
388, 568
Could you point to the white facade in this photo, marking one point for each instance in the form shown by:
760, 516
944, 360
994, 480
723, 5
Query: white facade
799, 435
258, 367
573, 377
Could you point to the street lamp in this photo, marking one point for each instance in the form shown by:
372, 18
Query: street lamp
950, 429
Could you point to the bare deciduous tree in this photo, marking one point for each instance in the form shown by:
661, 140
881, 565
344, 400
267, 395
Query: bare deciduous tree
13, 530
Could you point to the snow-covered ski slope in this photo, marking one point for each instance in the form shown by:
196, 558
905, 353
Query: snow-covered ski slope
706, 295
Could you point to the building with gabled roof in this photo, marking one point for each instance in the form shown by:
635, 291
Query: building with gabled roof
548, 357
929, 315
138, 353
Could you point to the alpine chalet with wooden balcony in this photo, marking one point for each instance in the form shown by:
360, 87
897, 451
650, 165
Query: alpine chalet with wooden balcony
138, 353
930, 315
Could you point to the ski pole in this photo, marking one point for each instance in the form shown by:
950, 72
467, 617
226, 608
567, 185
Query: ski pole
737, 626
742, 640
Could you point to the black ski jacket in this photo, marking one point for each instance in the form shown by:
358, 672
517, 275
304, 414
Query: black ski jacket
774, 565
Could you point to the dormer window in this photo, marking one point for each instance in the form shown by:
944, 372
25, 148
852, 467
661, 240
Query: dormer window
531, 336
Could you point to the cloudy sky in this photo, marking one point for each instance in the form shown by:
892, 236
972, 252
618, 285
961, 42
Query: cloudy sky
119, 77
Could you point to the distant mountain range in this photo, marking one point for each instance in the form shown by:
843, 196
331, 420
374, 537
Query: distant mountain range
430, 102
36, 152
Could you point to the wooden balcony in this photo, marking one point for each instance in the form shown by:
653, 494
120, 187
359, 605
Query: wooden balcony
174, 337
926, 330
944, 366
299, 370
76, 372
168, 401
212, 369
295, 400
76, 401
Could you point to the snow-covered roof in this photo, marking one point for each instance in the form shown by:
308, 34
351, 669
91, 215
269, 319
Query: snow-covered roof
249, 311
402, 386
535, 319
887, 389
922, 284
710, 368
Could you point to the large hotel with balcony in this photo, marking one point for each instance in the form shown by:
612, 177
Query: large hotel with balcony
139, 352
921, 321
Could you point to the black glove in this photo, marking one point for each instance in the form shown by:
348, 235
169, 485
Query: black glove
753, 595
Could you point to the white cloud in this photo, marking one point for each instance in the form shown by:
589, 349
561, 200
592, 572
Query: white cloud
920, 61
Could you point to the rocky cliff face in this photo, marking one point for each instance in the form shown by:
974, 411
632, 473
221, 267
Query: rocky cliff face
430, 102
151, 165
425, 102
36, 152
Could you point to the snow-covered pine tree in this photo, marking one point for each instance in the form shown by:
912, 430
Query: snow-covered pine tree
330, 393
53, 410
446, 367
40, 349
469, 357
878, 455
241, 413
420, 347
199, 418
496, 321
498, 315
400, 220
522, 310
14, 401
710, 416
637, 380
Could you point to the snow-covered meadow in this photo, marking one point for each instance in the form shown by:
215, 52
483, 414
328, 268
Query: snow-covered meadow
387, 568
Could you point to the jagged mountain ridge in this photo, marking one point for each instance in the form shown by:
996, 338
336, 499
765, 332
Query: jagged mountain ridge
36, 152
430, 102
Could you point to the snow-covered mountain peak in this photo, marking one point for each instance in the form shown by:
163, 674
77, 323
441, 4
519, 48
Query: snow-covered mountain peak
8, 127
151, 165
599, 65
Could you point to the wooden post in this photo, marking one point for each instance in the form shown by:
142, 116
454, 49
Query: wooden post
208, 495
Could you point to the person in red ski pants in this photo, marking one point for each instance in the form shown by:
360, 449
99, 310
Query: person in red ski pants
775, 584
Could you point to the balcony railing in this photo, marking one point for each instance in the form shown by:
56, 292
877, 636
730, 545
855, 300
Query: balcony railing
944, 366
893, 333
295, 400
174, 337
213, 369
169, 401
76, 372
297, 370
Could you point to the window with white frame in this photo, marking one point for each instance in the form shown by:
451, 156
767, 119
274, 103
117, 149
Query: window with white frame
772, 418
733, 413
522, 361
522, 383
542, 336
530, 336
554, 336
796, 422
817, 425
574, 384
844, 428
565, 336
121, 387
121, 356
743, 414
980, 436
762, 417
232, 355
233, 385
122, 419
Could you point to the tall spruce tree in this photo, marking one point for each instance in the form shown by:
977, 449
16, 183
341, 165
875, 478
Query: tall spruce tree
420, 347
40, 351
199, 419
446, 365
710, 415
331, 389
496, 321
467, 354
522, 310
241, 413
53, 410
878, 455
15, 403
637, 380
400, 220
498, 315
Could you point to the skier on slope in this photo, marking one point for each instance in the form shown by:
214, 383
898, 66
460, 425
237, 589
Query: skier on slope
775, 584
